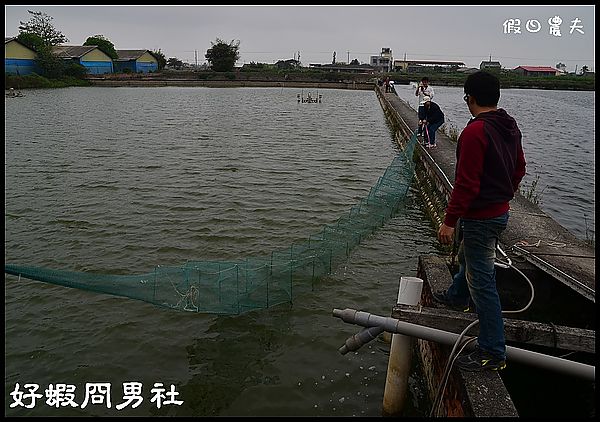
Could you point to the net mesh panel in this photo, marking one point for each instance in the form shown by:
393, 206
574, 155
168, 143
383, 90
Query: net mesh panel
258, 282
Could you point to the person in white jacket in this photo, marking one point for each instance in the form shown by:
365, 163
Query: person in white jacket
423, 90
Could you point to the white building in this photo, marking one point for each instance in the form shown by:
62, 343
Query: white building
384, 61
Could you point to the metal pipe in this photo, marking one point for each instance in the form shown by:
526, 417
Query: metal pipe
528, 357
551, 267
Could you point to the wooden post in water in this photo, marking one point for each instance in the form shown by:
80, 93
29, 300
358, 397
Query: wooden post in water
396, 381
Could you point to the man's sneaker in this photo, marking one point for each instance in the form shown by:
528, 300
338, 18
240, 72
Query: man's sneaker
442, 297
479, 360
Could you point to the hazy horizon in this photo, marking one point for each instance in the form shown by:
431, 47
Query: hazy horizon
513, 35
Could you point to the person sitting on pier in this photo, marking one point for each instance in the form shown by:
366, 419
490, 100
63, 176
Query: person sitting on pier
433, 119
489, 167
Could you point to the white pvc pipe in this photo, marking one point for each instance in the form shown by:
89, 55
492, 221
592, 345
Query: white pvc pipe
528, 357
399, 363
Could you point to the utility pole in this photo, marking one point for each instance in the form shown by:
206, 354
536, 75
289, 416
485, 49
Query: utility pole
196, 57
348, 62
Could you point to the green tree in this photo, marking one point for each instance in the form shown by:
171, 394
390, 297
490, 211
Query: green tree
175, 63
222, 56
48, 64
41, 24
103, 44
160, 57
33, 41
75, 70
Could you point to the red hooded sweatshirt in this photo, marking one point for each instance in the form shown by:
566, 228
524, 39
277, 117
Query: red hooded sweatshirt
489, 167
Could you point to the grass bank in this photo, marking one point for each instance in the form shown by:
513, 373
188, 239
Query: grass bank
37, 81
301, 76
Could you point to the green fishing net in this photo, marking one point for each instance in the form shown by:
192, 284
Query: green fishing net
257, 282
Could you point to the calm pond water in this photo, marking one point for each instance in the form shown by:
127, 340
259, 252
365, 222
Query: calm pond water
559, 144
119, 180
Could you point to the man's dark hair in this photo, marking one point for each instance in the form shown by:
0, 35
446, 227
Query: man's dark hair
484, 87
424, 78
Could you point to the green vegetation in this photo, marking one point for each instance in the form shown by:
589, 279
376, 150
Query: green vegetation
530, 192
160, 57
589, 236
256, 67
36, 81
175, 63
568, 82
52, 71
451, 131
48, 64
103, 44
266, 71
33, 41
508, 79
40, 24
222, 56
40, 35
271, 72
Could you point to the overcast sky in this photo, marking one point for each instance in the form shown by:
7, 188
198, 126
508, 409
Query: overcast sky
512, 35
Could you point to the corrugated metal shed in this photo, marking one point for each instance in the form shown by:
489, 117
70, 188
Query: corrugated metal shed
18, 58
537, 68
135, 61
72, 51
130, 54
90, 56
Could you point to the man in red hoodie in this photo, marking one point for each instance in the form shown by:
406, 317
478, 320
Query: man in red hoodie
489, 167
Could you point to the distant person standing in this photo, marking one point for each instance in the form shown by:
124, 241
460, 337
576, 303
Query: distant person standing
489, 167
387, 84
423, 89
433, 118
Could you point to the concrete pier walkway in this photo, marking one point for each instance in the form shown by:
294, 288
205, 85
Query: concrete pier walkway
531, 233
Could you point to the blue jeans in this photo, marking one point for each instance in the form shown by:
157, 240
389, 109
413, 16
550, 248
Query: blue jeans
421, 115
477, 278
431, 128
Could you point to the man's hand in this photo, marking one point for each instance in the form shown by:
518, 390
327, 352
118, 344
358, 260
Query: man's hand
446, 234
